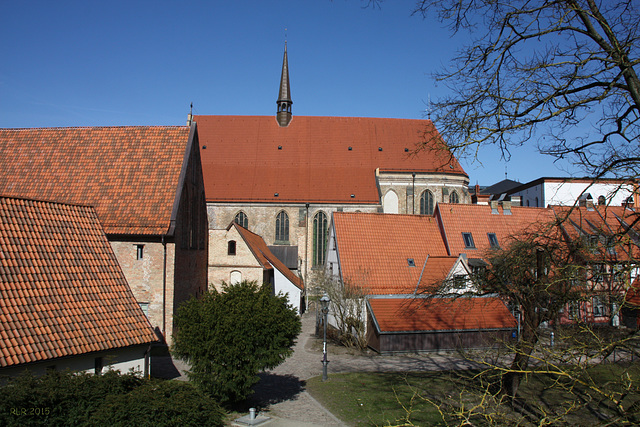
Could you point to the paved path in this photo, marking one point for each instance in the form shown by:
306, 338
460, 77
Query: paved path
281, 393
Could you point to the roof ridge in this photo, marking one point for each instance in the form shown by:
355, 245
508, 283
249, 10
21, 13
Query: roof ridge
99, 127
315, 117
48, 201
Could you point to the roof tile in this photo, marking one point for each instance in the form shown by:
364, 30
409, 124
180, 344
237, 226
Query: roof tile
129, 174
374, 250
314, 159
440, 314
70, 240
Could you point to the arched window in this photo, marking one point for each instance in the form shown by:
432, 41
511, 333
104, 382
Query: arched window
236, 277
282, 227
453, 197
241, 219
390, 202
426, 203
602, 200
319, 238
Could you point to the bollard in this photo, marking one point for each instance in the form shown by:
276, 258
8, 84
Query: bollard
252, 413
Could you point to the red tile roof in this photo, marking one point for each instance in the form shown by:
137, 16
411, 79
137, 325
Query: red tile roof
440, 314
129, 174
603, 221
314, 159
265, 257
479, 221
374, 250
62, 292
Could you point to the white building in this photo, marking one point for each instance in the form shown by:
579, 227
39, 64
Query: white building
543, 192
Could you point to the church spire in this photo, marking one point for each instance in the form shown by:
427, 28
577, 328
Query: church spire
284, 97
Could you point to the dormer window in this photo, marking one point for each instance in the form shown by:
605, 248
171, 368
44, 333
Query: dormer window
411, 262
468, 241
493, 240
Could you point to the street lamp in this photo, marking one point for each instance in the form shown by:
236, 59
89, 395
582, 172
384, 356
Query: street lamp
324, 302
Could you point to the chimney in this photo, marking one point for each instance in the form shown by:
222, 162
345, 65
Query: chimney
586, 201
494, 207
190, 116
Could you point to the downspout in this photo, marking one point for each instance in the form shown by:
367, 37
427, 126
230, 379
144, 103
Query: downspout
164, 289
413, 191
306, 243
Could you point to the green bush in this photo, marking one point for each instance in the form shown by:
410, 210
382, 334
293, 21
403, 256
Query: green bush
229, 337
159, 403
80, 399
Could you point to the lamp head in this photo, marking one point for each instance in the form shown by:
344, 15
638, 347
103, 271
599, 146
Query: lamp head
324, 302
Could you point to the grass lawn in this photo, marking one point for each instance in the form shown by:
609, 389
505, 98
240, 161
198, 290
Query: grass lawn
368, 399
382, 399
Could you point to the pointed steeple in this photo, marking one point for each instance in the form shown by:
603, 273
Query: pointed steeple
284, 101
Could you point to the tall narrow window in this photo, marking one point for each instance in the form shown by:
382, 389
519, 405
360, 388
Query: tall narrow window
242, 220
426, 203
319, 238
231, 247
282, 228
139, 251
453, 197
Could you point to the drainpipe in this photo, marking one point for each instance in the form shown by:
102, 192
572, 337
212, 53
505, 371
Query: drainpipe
306, 244
413, 191
164, 290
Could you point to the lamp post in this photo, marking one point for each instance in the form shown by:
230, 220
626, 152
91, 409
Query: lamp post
324, 302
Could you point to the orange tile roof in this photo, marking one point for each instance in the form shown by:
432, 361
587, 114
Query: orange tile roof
129, 174
62, 292
374, 249
603, 221
265, 256
479, 221
440, 314
251, 158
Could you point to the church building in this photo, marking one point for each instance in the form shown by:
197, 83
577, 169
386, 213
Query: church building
283, 176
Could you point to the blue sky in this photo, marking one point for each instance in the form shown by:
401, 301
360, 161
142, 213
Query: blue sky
88, 63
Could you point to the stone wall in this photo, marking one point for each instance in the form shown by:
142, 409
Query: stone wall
262, 221
409, 189
221, 264
144, 275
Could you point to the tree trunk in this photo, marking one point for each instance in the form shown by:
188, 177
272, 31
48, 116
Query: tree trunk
524, 348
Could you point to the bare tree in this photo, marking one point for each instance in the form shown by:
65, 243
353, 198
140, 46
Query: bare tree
558, 73
347, 308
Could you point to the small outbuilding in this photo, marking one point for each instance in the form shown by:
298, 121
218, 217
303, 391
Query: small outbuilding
437, 323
